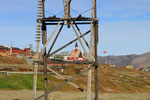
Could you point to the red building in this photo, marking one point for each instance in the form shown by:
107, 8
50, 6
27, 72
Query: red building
4, 48
15, 50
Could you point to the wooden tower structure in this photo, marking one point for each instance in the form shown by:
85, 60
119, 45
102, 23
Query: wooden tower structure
73, 23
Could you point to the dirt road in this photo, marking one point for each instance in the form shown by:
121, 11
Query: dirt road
27, 95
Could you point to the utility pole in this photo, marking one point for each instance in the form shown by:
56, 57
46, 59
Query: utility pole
94, 36
44, 40
38, 36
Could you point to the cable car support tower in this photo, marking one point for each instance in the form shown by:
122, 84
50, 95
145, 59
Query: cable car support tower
91, 56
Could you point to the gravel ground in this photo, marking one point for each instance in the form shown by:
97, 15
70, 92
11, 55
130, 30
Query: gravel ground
27, 95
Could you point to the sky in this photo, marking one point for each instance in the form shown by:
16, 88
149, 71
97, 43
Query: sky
124, 25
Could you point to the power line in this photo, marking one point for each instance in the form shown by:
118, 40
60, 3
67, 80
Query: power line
59, 13
75, 11
86, 11
49, 12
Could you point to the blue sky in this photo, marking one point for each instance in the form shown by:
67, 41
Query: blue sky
124, 26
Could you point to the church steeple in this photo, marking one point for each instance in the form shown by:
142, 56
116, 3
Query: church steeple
76, 47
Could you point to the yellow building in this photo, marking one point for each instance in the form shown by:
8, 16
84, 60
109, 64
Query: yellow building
129, 67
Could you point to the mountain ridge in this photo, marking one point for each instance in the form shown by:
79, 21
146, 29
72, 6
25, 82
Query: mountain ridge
124, 60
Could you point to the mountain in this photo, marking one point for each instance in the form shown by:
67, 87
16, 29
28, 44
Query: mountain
143, 60
124, 60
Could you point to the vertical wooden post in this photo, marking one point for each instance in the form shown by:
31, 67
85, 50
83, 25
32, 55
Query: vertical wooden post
35, 81
96, 69
89, 83
37, 51
94, 28
44, 40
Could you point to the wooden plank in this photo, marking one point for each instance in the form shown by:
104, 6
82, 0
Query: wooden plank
68, 44
79, 39
66, 80
81, 34
50, 37
64, 62
64, 83
54, 40
89, 85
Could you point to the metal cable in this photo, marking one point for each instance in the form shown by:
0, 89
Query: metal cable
59, 13
75, 11
86, 11
49, 12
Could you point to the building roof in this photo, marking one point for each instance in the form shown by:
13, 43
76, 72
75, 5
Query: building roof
15, 48
77, 54
4, 47
76, 44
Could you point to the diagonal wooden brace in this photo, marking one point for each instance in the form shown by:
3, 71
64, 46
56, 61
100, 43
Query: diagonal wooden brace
64, 83
66, 80
79, 39
50, 36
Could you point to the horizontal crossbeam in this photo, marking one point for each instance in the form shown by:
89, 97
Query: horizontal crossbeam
63, 62
79, 23
53, 19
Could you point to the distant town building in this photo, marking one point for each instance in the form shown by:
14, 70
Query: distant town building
129, 67
4, 48
14, 51
76, 52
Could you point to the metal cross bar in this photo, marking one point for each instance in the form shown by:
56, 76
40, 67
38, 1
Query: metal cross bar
64, 83
68, 44
54, 40
81, 34
79, 39
66, 80
50, 37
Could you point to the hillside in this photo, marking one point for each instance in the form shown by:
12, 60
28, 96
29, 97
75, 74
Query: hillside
11, 60
111, 80
143, 60
135, 60
117, 60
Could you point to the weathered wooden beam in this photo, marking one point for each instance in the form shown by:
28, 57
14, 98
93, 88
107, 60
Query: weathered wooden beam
68, 44
63, 62
81, 34
79, 39
50, 37
64, 83
80, 89
54, 19
54, 40
89, 85
77, 23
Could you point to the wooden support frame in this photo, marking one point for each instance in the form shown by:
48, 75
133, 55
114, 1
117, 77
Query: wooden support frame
80, 89
64, 83
54, 40
74, 22
81, 34
79, 39
67, 44
50, 37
